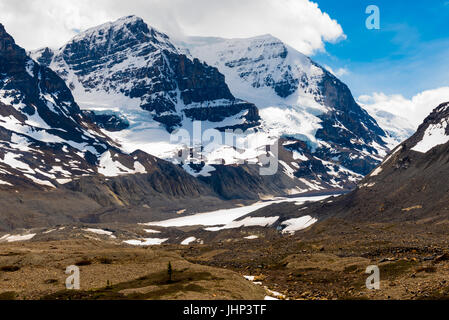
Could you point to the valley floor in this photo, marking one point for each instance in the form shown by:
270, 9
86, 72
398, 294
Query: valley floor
326, 261
109, 271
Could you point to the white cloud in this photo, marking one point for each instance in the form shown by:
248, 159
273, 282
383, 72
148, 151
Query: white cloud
35, 24
300, 23
338, 72
414, 110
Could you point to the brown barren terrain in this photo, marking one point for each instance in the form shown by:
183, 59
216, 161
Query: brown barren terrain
326, 261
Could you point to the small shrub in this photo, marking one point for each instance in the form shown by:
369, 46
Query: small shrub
84, 262
51, 281
170, 272
430, 269
105, 261
10, 295
9, 268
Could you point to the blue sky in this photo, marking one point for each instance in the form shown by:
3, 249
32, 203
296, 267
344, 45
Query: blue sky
409, 54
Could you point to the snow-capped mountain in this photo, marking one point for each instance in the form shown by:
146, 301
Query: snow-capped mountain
296, 98
126, 65
139, 85
45, 139
57, 166
397, 127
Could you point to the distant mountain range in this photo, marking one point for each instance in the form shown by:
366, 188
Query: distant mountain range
149, 85
398, 128
93, 119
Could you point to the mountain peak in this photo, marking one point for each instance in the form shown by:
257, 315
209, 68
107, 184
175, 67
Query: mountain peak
131, 27
115, 36
130, 18
441, 108
281, 80
122, 22
7, 43
267, 36
438, 115
11, 55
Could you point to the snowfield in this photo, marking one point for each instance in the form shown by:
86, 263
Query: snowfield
298, 224
146, 242
100, 231
188, 241
110, 168
247, 222
226, 218
17, 237
435, 135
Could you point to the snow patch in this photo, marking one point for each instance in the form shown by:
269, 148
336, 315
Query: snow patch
225, 217
188, 241
5, 183
111, 168
18, 237
151, 231
146, 242
100, 231
376, 172
247, 222
298, 224
252, 237
29, 67
435, 135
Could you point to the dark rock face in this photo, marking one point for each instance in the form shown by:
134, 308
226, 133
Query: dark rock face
284, 86
128, 58
29, 84
43, 131
221, 112
360, 124
197, 81
11, 55
44, 56
162, 182
347, 122
110, 122
347, 129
